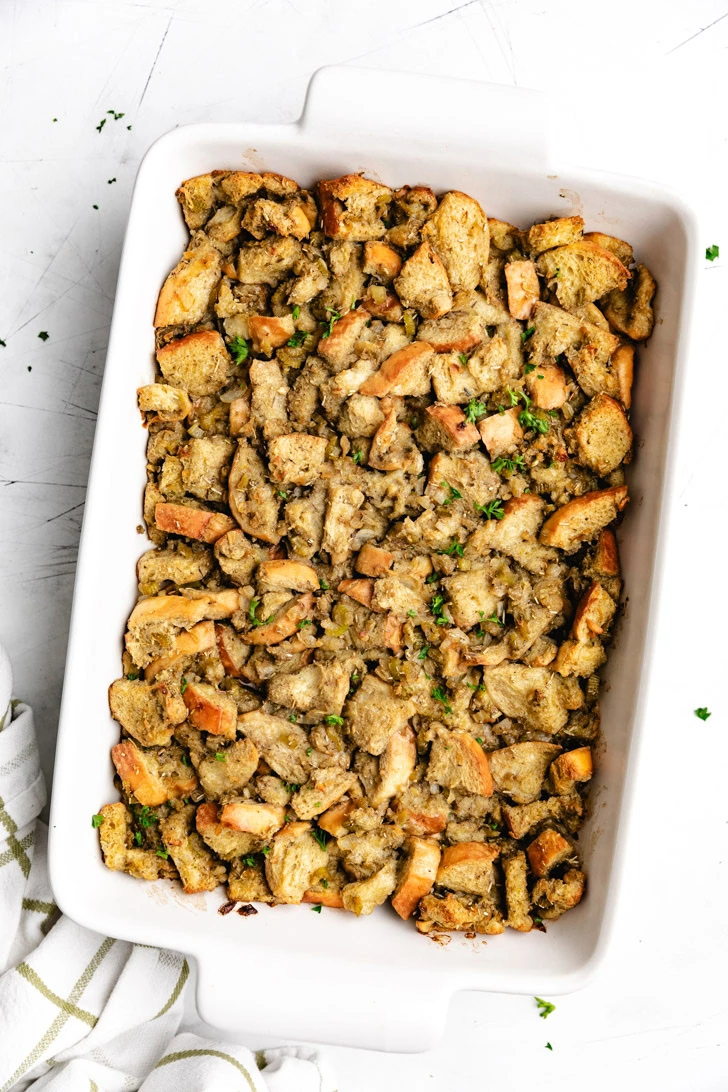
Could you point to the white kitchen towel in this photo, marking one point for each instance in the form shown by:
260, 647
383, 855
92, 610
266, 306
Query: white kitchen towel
80, 1012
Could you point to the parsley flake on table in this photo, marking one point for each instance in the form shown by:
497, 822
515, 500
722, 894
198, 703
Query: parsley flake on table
545, 1007
115, 116
110, 181
712, 252
44, 335
100, 125
702, 713
3, 343
317, 908
549, 1047
96, 820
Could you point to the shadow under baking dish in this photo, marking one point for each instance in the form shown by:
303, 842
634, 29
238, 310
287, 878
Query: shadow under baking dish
371, 981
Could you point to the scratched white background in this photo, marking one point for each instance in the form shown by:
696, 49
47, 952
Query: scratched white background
650, 91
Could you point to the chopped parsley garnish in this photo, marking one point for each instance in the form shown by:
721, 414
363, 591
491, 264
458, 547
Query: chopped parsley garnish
494, 618
305, 622
297, 339
100, 125
712, 252
164, 853
702, 713
317, 908
309, 752
115, 116
110, 181
509, 465
530, 420
249, 861
94, 206
492, 510
453, 550
132, 675
265, 850
183, 685
184, 760
423, 652
96, 820
526, 334
479, 740
545, 1007
475, 686
282, 494
146, 817
436, 604
528, 368
220, 756
454, 494
353, 305
239, 349
514, 396
324, 584
295, 312
44, 335
357, 457
331, 321
321, 836
325, 884
474, 410
292, 718
411, 613
432, 578
463, 358
4, 344
549, 1047
254, 604
138, 837
333, 719
440, 694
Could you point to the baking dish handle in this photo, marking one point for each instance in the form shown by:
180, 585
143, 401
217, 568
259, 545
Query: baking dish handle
350, 103
295, 996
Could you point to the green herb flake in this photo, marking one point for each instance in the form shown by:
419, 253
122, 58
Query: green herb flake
453, 494
254, 604
297, 340
411, 613
702, 713
432, 578
96, 821
545, 1007
463, 358
436, 604
440, 694
132, 675
317, 908
453, 550
357, 457
304, 622
282, 494
137, 837
94, 206
331, 321
265, 850
44, 335
100, 125
528, 368
491, 510
239, 349
494, 618
325, 884
549, 1047
324, 584
292, 718
309, 752
250, 861
164, 853
147, 817
115, 116
474, 410
526, 334
295, 312
531, 420
332, 718
185, 760
712, 252
183, 685
423, 652
110, 181
320, 835
221, 756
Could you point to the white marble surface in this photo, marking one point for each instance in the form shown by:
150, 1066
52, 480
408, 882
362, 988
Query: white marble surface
650, 82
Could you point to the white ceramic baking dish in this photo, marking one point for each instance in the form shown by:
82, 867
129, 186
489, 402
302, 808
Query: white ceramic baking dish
375, 981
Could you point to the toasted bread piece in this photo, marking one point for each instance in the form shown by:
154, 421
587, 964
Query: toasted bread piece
553, 233
200, 638
335, 819
162, 403
294, 857
338, 347
418, 811
582, 518
252, 499
283, 744
352, 207
141, 774
500, 432
423, 283
602, 435
554, 897
393, 447
523, 818
629, 310
458, 761
468, 867
458, 231
140, 710
268, 333
210, 709
375, 713
623, 371
186, 294
519, 770
446, 428
198, 869
222, 778
515, 534
226, 841
198, 523
535, 695
295, 216
456, 332
294, 575
323, 897
518, 899
582, 272
296, 458
570, 767
267, 262
197, 198
547, 386
284, 622
250, 817
159, 566
198, 363
359, 589
324, 788
618, 247
593, 614
396, 766
373, 560
547, 850
119, 856
417, 876
405, 372
381, 260
523, 288
344, 502
579, 658
363, 896
587, 348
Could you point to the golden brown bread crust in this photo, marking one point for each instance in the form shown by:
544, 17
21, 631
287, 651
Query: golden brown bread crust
385, 459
